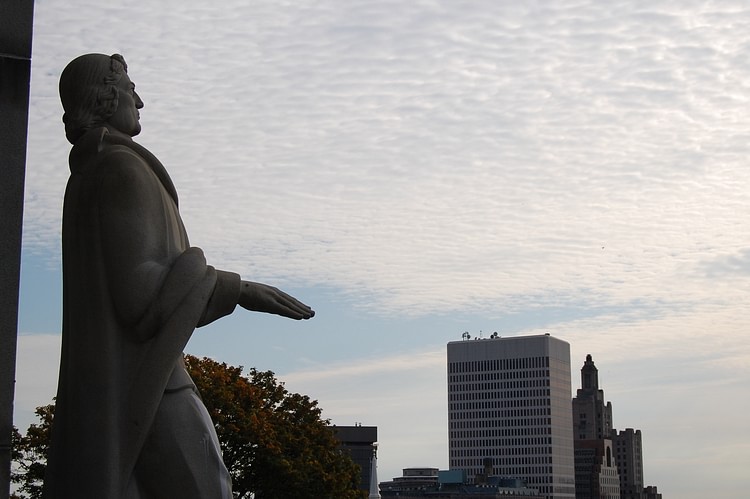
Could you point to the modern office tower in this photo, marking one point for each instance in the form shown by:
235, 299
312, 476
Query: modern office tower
596, 471
592, 417
509, 401
629, 457
360, 442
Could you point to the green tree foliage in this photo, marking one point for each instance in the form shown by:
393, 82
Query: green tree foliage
29, 455
274, 442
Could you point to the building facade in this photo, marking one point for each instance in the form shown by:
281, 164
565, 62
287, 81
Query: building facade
360, 443
651, 492
509, 407
596, 470
592, 416
597, 474
413, 480
426, 483
629, 457
593, 426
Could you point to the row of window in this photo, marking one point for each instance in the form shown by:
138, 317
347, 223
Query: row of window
508, 398
481, 448
477, 459
526, 443
501, 432
499, 375
503, 404
518, 431
493, 389
532, 475
490, 418
538, 426
482, 402
498, 364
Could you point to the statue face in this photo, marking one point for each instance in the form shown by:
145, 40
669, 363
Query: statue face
126, 117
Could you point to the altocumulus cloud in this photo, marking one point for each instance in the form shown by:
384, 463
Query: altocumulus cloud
431, 155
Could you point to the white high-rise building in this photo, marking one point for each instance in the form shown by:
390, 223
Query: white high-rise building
509, 411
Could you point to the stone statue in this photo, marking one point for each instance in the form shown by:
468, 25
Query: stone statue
129, 422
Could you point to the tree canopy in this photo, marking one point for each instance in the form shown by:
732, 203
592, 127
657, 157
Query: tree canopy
275, 443
29, 454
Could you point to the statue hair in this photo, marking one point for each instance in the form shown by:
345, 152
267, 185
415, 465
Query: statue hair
88, 91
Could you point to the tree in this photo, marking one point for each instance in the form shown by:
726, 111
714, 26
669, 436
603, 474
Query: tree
29, 454
274, 442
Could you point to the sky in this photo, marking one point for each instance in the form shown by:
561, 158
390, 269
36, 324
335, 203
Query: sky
417, 170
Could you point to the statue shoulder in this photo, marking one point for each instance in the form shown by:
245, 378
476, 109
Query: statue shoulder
98, 148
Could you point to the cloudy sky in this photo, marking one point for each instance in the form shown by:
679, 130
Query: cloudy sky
414, 170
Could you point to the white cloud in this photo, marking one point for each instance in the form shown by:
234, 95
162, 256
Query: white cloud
390, 155
404, 395
410, 362
37, 366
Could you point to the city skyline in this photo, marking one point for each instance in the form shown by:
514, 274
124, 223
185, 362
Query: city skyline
414, 171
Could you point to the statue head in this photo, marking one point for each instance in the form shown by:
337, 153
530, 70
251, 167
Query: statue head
95, 91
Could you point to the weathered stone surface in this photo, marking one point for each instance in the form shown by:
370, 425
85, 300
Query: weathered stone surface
128, 421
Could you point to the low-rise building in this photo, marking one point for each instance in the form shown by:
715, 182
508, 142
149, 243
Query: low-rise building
421, 483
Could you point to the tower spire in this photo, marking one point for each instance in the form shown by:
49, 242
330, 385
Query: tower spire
374, 489
589, 375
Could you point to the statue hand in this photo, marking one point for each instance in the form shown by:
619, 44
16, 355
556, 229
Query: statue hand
264, 298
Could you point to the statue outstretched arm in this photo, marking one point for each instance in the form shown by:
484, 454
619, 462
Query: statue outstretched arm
264, 298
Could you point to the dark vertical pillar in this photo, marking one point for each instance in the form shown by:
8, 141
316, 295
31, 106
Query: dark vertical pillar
15, 71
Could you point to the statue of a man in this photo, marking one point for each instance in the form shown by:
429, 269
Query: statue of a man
129, 422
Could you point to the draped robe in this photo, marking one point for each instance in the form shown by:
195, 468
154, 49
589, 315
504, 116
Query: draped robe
133, 293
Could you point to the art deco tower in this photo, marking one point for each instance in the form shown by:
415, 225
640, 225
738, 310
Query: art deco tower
592, 416
596, 470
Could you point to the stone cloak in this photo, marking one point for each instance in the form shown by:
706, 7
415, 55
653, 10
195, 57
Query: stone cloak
133, 293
